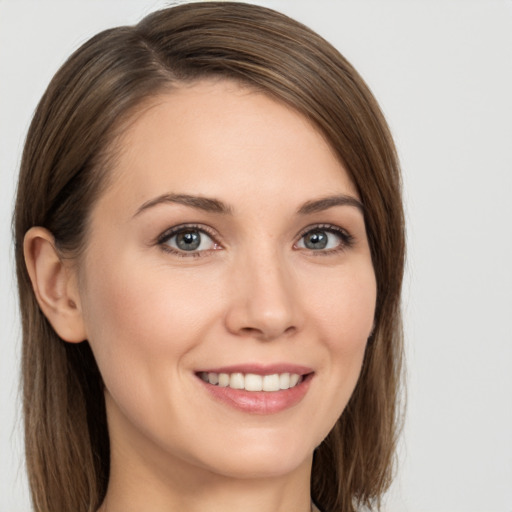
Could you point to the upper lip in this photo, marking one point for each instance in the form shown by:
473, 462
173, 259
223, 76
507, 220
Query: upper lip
260, 369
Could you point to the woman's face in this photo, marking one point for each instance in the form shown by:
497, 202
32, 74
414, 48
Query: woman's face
229, 248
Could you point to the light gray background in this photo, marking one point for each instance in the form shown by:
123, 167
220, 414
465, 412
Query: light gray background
442, 71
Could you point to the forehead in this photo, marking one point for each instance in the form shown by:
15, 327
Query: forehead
216, 137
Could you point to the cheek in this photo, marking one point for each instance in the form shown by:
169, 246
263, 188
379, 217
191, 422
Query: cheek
345, 319
347, 309
137, 320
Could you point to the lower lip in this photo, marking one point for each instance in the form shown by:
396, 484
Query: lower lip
260, 402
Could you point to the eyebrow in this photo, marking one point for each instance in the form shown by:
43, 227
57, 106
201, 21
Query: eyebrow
319, 205
202, 203
209, 204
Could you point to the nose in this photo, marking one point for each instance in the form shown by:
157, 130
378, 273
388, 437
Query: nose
263, 302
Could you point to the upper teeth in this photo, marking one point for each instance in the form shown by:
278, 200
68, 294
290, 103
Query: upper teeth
251, 381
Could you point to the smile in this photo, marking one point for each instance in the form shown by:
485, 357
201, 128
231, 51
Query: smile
257, 389
252, 381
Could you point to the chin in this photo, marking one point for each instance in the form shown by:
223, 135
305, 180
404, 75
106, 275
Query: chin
260, 458
262, 467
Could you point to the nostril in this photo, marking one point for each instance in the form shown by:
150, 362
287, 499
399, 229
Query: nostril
267, 334
251, 331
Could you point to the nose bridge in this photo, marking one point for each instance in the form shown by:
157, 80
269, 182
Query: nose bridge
264, 302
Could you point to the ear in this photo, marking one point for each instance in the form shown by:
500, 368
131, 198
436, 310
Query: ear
55, 285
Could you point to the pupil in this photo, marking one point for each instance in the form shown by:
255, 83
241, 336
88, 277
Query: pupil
188, 240
316, 240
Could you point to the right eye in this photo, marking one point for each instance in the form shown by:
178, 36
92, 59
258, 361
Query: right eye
187, 239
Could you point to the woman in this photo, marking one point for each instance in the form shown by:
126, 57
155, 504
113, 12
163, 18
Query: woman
209, 246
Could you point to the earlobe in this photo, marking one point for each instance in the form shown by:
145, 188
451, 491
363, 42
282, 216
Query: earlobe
54, 284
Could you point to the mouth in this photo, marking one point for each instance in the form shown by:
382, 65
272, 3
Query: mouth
252, 381
258, 390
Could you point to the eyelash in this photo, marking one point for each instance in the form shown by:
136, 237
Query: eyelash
347, 240
176, 230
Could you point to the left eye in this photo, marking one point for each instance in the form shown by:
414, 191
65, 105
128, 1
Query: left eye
321, 239
190, 240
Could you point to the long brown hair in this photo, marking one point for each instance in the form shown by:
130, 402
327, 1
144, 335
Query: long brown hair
63, 171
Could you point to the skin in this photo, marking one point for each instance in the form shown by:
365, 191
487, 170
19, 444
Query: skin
254, 293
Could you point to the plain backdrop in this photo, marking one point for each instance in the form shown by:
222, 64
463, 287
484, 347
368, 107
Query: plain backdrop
442, 71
